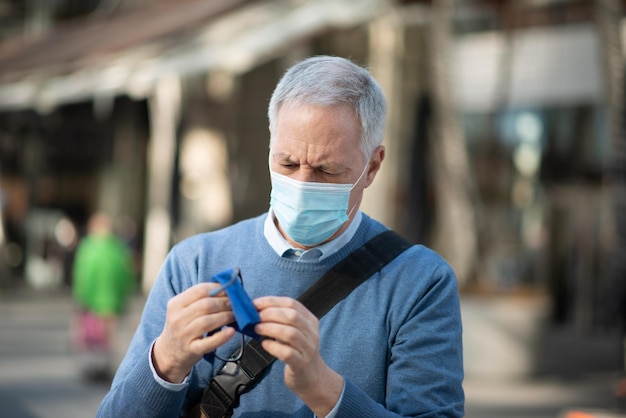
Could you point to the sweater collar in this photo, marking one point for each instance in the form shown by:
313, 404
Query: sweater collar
280, 245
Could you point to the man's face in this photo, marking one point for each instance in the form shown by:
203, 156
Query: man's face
322, 144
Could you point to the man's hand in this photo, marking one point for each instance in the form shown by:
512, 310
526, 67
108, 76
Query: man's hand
292, 333
190, 315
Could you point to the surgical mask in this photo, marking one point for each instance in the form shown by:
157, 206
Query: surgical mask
308, 212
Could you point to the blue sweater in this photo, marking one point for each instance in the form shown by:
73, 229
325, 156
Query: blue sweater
396, 339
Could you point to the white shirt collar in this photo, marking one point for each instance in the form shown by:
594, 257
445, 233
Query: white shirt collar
280, 244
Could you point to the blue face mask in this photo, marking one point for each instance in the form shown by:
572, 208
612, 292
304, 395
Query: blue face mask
308, 212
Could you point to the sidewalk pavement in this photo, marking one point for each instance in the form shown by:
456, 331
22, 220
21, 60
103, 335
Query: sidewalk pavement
39, 376
546, 397
519, 365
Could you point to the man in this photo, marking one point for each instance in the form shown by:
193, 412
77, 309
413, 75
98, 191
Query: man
391, 348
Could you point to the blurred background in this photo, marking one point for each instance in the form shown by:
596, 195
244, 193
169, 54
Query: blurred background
505, 152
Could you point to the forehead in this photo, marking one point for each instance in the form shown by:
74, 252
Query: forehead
317, 132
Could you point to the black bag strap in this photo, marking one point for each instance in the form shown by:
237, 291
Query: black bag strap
222, 394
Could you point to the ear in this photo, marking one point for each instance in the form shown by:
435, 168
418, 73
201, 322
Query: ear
374, 165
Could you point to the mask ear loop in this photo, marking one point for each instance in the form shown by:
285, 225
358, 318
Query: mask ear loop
354, 185
236, 274
361, 176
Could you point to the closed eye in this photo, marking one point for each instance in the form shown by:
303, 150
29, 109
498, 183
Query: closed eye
327, 173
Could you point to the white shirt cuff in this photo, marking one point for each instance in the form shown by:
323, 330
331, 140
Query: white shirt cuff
333, 412
164, 383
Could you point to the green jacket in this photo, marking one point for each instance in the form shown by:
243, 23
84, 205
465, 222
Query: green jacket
103, 275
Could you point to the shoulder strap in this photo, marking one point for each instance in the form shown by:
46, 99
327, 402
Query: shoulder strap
222, 394
353, 270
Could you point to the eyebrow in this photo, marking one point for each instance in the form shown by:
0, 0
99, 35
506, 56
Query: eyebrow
280, 156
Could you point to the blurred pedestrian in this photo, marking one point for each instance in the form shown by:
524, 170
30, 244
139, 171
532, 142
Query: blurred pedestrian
103, 280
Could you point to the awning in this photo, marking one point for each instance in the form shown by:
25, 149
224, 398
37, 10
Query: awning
546, 66
127, 53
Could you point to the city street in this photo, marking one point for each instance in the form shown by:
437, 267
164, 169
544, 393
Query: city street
39, 377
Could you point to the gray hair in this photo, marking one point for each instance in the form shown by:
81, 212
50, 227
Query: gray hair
325, 81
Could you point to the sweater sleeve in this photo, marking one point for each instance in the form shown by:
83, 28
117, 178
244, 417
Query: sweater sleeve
425, 374
134, 391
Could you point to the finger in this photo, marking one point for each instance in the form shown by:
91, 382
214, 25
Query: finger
209, 304
285, 334
277, 301
284, 310
200, 326
294, 316
285, 316
210, 343
185, 315
194, 293
281, 351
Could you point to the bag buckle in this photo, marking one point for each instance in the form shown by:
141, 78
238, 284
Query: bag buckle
222, 394
233, 374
